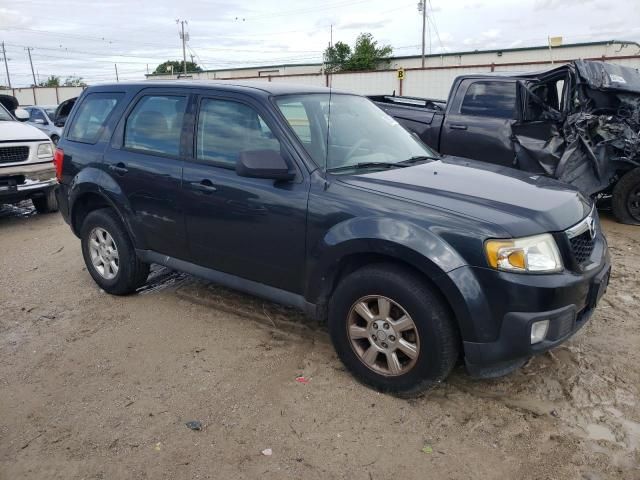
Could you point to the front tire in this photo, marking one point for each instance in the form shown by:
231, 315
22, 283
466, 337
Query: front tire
625, 201
55, 139
109, 254
47, 203
392, 330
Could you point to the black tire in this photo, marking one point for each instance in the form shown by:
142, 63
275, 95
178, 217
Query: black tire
438, 336
132, 273
625, 201
47, 203
55, 139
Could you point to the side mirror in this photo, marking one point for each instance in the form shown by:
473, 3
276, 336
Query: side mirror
39, 121
263, 164
21, 114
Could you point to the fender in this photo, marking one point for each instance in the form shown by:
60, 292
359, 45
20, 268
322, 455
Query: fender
92, 180
408, 243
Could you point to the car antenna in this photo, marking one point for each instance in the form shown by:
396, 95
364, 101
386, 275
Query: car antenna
326, 151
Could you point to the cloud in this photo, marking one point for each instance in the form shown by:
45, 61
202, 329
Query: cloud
555, 4
13, 18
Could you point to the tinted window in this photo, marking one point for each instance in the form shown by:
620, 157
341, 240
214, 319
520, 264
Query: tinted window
490, 99
227, 128
92, 116
155, 125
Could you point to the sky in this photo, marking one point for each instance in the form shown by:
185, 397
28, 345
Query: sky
87, 38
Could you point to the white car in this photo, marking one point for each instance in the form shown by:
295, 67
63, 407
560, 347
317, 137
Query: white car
26, 161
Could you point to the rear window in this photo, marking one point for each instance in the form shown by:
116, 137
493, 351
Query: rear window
92, 116
490, 99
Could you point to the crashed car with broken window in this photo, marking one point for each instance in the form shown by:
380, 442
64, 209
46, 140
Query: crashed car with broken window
579, 123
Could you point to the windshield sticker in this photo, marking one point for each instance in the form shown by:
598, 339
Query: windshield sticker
616, 78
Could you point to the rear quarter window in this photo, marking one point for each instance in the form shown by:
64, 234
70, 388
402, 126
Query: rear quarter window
91, 118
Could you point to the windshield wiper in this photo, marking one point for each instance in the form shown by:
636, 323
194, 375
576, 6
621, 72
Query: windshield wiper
363, 165
416, 159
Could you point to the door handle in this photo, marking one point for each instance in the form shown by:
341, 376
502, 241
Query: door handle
204, 186
119, 168
457, 126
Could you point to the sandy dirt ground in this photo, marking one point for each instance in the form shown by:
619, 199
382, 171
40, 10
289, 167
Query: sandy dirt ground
100, 387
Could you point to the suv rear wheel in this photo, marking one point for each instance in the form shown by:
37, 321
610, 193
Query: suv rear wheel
47, 203
109, 254
392, 330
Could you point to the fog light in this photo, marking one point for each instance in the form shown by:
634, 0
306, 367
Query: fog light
539, 331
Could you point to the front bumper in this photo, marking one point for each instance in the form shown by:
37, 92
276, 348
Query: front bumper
513, 302
28, 181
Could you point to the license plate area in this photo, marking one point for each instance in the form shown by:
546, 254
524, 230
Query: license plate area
598, 288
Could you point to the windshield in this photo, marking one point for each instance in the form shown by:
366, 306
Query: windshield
4, 115
360, 134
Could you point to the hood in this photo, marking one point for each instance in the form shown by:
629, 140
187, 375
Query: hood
520, 203
608, 76
17, 131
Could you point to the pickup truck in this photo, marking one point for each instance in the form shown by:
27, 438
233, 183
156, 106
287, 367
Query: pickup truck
414, 259
579, 123
26, 160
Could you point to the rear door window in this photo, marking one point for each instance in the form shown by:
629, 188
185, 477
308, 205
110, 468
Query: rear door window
490, 99
226, 128
92, 116
35, 114
155, 125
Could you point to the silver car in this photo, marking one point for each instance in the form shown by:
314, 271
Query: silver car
43, 118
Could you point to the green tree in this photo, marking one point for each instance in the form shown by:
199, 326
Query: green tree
74, 81
177, 67
52, 81
336, 57
366, 55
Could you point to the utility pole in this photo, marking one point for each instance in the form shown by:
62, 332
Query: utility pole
33, 73
116, 65
184, 37
422, 7
6, 64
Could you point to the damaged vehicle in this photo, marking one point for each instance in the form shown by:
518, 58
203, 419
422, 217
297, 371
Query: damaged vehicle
26, 160
578, 123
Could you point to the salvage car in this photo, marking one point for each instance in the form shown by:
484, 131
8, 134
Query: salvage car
318, 200
26, 160
579, 123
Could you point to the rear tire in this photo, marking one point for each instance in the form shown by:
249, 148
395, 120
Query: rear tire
625, 201
109, 254
433, 337
47, 203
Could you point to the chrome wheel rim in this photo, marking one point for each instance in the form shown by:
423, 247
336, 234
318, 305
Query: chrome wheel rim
383, 335
104, 253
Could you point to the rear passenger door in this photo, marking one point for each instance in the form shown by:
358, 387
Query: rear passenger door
145, 160
249, 227
478, 122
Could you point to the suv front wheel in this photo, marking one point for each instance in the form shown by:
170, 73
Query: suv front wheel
392, 330
109, 254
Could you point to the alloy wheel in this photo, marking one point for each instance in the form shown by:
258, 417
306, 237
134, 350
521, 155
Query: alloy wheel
383, 335
104, 253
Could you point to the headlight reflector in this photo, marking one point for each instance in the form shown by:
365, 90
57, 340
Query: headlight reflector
538, 254
45, 150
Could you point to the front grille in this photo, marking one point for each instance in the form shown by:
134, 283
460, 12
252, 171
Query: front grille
14, 154
582, 246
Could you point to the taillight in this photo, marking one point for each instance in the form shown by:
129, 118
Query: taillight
58, 158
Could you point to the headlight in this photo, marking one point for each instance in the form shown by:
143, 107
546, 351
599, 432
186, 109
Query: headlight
538, 254
45, 150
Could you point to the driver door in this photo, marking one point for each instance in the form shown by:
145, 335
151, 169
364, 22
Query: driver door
249, 227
